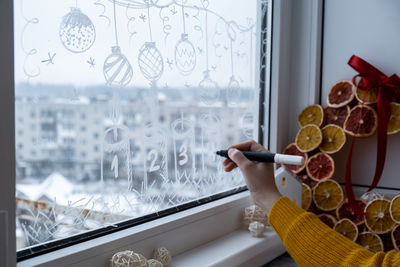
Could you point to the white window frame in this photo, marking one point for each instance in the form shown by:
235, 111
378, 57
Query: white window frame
294, 83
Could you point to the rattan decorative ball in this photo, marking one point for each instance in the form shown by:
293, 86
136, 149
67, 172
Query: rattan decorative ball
154, 263
256, 229
162, 255
255, 214
128, 258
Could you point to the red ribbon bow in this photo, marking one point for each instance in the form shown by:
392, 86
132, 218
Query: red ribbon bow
388, 90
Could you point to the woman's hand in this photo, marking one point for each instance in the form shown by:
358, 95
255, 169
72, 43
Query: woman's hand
259, 176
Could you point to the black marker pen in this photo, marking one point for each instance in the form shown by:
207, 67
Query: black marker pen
267, 157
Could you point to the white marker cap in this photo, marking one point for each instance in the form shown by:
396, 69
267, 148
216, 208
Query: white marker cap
289, 159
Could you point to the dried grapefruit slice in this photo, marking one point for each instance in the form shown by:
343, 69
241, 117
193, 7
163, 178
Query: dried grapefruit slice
306, 197
313, 114
394, 122
369, 96
333, 139
395, 209
377, 216
346, 211
336, 116
370, 241
327, 195
347, 228
361, 121
396, 237
308, 138
320, 167
341, 94
292, 149
327, 219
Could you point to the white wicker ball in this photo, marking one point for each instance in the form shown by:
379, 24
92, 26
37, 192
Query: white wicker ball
256, 229
128, 258
154, 263
162, 255
254, 214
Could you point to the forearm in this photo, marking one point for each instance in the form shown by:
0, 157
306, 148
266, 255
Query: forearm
311, 243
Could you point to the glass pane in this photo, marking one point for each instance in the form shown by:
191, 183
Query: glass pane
121, 105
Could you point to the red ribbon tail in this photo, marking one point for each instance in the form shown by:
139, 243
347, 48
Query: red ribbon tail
349, 186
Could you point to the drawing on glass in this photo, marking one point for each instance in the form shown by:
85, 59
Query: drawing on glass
117, 69
185, 54
210, 142
247, 124
77, 32
233, 91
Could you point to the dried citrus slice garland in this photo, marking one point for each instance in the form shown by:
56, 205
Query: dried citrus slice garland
341, 94
320, 167
327, 195
369, 97
306, 197
377, 216
370, 241
327, 219
313, 114
347, 228
308, 138
395, 209
346, 211
395, 234
292, 149
362, 121
394, 122
336, 116
333, 139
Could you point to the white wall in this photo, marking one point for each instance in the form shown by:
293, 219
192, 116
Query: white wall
371, 30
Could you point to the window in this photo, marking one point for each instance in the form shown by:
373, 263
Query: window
160, 89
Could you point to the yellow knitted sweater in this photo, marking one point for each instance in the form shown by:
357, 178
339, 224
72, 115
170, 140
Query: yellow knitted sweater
312, 243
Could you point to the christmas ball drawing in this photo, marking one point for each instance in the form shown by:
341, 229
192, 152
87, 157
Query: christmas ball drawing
77, 32
117, 69
185, 55
209, 91
150, 61
233, 91
247, 122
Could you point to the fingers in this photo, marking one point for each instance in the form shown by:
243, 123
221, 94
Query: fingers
250, 145
237, 157
230, 166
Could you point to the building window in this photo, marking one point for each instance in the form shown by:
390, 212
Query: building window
195, 69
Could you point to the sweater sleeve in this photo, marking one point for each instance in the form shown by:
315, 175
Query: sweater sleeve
312, 243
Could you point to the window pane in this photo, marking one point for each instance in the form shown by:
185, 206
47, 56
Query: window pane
120, 107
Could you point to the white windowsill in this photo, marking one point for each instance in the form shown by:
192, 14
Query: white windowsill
206, 235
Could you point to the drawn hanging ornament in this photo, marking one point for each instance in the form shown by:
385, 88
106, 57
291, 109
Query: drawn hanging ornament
151, 63
233, 91
117, 69
209, 90
185, 55
77, 32
247, 124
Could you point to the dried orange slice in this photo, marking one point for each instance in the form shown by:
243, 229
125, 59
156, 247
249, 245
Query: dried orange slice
395, 209
347, 228
336, 116
377, 216
396, 237
327, 219
394, 122
361, 121
346, 211
313, 114
306, 197
333, 139
292, 149
320, 167
327, 195
341, 94
369, 97
308, 138
370, 241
